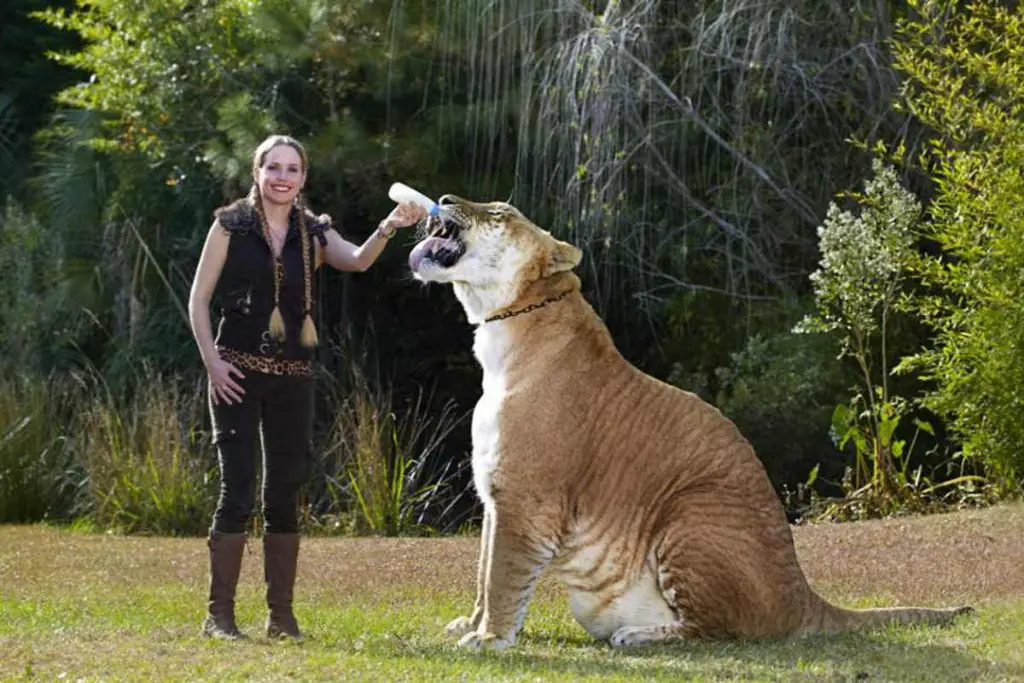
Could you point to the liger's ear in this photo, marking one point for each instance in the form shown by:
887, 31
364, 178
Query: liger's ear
563, 257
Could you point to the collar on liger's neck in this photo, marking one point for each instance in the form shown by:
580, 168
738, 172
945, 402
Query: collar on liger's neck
529, 307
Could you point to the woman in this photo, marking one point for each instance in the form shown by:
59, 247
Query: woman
260, 256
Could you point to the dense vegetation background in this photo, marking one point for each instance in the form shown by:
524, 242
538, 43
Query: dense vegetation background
805, 211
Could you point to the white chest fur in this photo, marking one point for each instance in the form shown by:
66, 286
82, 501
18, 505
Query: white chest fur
491, 348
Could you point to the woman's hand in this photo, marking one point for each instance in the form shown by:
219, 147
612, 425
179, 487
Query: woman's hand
343, 255
223, 387
402, 216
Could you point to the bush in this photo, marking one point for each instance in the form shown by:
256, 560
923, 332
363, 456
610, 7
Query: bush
780, 390
148, 469
856, 288
382, 470
778, 387
36, 311
38, 480
965, 81
857, 292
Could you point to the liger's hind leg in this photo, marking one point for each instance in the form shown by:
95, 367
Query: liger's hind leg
724, 578
670, 632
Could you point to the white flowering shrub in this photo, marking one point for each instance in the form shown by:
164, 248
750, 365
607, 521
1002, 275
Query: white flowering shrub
864, 257
862, 262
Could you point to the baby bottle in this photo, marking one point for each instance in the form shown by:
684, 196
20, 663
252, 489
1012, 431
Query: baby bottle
400, 193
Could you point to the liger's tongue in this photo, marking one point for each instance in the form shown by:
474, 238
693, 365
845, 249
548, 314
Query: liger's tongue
421, 249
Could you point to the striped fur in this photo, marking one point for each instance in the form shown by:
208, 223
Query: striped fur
645, 501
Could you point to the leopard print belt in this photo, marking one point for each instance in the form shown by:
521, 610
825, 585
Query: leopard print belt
266, 364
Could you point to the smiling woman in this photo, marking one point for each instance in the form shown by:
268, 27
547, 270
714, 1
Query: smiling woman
259, 257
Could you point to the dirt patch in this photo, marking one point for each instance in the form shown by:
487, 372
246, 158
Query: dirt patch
970, 556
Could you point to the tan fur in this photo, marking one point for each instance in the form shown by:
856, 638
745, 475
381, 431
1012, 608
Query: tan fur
644, 500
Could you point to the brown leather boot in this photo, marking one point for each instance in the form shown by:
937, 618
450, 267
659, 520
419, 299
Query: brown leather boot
225, 564
280, 560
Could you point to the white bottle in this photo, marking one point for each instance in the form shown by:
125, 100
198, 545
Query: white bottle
400, 193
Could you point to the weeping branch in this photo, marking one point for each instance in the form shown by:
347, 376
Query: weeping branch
631, 118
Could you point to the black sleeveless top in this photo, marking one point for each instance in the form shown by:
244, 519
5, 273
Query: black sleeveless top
245, 288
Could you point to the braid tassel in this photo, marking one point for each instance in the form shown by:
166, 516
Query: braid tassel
276, 327
308, 335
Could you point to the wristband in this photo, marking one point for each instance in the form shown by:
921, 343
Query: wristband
383, 232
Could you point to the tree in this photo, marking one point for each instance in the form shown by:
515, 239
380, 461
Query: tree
28, 81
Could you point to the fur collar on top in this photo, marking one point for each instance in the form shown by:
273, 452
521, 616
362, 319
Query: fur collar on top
240, 216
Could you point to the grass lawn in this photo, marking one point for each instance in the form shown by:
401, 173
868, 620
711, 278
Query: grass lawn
76, 606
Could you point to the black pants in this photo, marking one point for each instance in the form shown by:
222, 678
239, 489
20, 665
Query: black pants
277, 409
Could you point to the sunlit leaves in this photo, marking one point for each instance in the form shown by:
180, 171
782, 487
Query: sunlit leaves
156, 66
964, 68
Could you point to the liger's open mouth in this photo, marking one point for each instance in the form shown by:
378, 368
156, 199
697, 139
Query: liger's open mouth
442, 243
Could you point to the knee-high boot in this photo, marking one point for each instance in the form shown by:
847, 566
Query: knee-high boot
280, 561
225, 564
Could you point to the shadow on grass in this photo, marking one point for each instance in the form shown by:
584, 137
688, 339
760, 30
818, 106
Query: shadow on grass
869, 656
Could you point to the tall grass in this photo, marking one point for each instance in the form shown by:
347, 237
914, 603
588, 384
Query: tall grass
142, 463
150, 470
37, 475
383, 469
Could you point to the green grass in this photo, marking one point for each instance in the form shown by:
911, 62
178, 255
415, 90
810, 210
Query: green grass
77, 606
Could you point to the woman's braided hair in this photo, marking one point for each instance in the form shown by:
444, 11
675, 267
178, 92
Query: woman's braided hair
307, 336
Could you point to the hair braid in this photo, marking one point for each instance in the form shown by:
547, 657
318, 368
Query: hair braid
308, 336
276, 325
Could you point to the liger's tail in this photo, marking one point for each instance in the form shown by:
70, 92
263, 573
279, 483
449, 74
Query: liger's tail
824, 617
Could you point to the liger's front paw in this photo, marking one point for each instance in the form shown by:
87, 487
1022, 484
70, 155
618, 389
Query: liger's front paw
483, 641
460, 626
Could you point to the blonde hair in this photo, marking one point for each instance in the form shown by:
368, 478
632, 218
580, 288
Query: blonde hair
307, 335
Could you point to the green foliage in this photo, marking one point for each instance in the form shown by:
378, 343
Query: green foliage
907, 490
38, 314
37, 475
151, 60
148, 469
863, 261
28, 83
382, 471
856, 288
964, 80
704, 164
191, 86
780, 390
